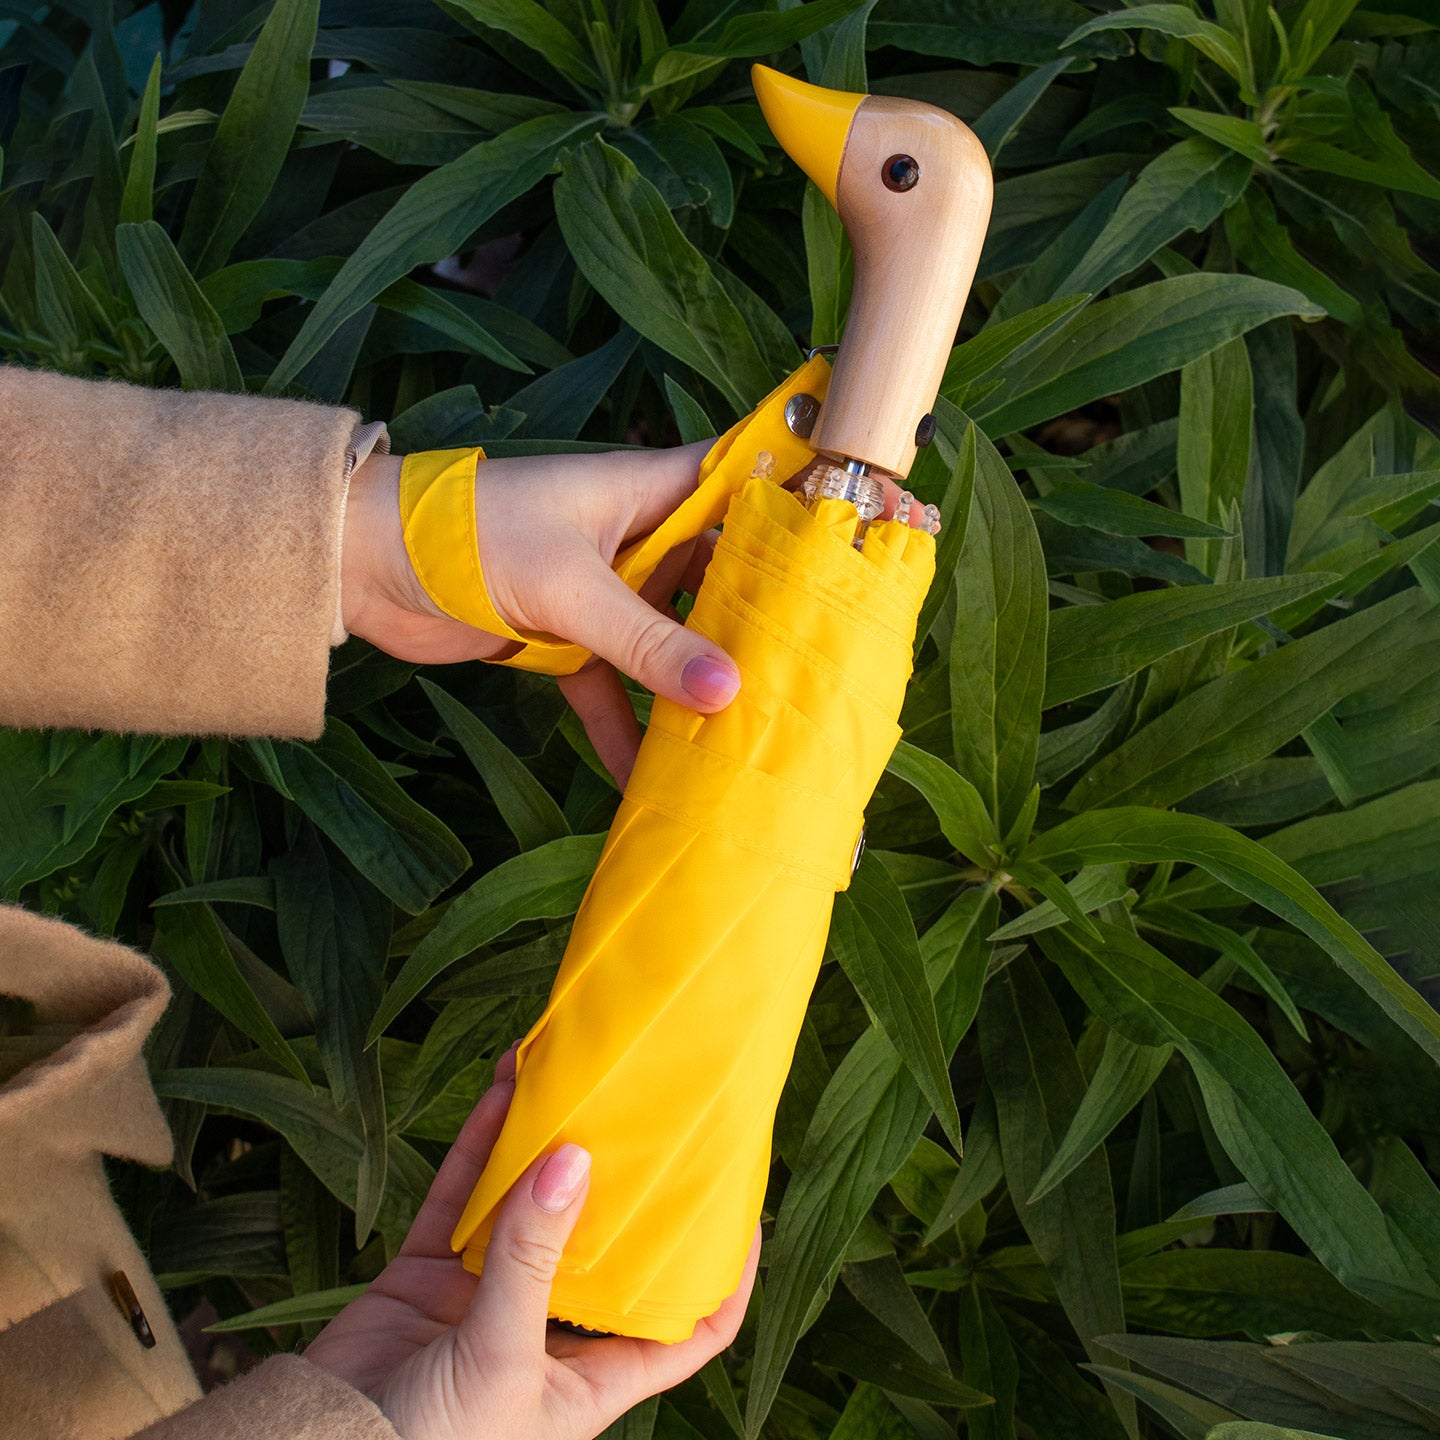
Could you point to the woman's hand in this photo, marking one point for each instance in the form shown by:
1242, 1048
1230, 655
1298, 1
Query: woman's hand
448, 1356
550, 527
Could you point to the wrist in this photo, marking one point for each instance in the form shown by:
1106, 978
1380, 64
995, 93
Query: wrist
372, 539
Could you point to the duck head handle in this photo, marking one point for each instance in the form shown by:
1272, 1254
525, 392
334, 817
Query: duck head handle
912, 187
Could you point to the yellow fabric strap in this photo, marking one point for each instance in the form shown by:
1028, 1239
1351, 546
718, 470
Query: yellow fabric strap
437, 512
437, 517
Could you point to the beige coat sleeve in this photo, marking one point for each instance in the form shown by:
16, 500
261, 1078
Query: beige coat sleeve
169, 562
286, 1398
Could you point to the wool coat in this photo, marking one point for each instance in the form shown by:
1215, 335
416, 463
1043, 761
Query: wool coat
169, 563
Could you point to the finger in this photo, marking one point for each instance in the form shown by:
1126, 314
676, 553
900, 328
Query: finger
430, 1234
597, 695
610, 619
511, 1305
620, 1373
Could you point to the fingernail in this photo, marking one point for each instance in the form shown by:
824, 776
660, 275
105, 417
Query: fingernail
561, 1178
505, 1066
709, 680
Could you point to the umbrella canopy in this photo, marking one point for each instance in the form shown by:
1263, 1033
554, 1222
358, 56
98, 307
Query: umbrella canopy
673, 1019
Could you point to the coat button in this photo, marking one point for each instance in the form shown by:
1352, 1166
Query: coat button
129, 1303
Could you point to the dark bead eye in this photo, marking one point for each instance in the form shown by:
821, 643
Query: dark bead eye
900, 172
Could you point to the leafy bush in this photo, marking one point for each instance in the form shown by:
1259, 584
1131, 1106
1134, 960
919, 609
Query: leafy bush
1181, 669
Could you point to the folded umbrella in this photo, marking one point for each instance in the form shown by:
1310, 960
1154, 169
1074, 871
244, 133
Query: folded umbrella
666, 1040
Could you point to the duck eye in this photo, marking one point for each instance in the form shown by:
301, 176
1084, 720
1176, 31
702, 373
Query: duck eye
900, 172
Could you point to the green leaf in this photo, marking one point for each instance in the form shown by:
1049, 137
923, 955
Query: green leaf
629, 247
1244, 137
1252, 1292
1258, 1115
637, 1423
829, 265
856, 1345
1032, 1071
1093, 888
1216, 417
235, 890
1264, 245
873, 937
1025, 32
60, 295
295, 1309
979, 1172
334, 931
239, 292
1240, 1199
989, 1365
1187, 1415
1185, 188
869, 1415
1094, 646
190, 940
524, 804
136, 204
1141, 836
866, 1124
250, 143
1249, 713
690, 417
1000, 120
746, 36
1253, 1430
317, 1131
175, 308
1276, 449
1179, 22
396, 844
541, 884
978, 357
1067, 747
230, 1235
1049, 1385
430, 221
535, 27
1077, 502
955, 449
1335, 1388
881, 1287
1115, 344
1172, 919
997, 653
1121, 1081
1312, 31
56, 794
558, 405
961, 812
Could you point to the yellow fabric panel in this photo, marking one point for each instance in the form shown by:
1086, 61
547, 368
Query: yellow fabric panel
671, 1026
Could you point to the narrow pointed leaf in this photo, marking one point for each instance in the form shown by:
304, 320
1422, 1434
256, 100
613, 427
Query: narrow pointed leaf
542, 884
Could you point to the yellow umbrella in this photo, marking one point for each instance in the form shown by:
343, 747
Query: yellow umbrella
668, 1034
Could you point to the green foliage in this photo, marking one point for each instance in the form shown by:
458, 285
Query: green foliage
1148, 919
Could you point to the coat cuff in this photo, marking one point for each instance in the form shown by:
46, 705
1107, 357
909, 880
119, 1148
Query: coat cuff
169, 562
286, 1398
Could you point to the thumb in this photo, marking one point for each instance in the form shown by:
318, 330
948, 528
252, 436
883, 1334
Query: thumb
645, 644
512, 1301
